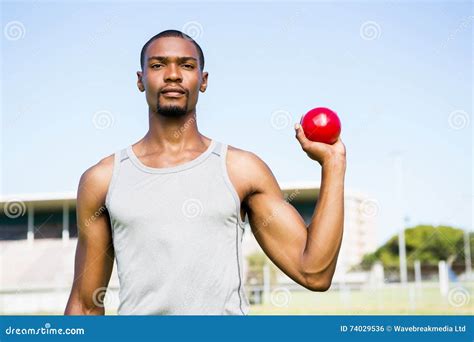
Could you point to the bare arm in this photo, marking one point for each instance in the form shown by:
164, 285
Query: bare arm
308, 255
94, 253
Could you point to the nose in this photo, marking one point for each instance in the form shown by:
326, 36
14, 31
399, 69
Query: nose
172, 73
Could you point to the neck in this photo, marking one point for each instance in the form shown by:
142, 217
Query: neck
172, 133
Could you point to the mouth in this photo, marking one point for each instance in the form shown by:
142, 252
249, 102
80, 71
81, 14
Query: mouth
173, 92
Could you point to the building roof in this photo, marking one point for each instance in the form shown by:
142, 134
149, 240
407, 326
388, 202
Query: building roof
307, 190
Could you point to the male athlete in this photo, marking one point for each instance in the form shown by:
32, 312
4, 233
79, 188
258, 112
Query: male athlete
171, 207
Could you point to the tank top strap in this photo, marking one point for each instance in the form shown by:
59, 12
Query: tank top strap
217, 150
119, 157
122, 154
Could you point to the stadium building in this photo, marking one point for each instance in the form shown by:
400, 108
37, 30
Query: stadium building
38, 237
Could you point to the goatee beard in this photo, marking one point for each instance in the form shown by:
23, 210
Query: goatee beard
171, 111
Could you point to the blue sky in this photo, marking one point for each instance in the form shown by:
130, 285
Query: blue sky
399, 75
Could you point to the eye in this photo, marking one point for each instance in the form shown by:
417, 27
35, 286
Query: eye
155, 66
188, 66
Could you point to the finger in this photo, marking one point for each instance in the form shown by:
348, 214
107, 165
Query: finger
339, 142
300, 135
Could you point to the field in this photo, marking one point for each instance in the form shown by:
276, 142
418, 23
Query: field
389, 300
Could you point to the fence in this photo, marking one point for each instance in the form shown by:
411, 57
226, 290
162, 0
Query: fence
430, 289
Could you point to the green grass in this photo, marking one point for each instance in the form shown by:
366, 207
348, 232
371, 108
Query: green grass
389, 300
385, 301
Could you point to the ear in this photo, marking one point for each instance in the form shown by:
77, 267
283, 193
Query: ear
203, 86
140, 85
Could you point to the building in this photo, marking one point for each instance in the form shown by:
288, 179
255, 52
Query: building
38, 237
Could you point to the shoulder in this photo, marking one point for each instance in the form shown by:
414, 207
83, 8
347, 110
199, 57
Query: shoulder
250, 168
94, 182
245, 160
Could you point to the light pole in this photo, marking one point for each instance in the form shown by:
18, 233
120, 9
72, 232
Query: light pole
398, 161
467, 255
403, 255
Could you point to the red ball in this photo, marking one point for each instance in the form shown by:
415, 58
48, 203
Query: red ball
322, 125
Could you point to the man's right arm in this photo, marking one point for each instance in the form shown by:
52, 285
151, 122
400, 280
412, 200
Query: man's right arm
94, 252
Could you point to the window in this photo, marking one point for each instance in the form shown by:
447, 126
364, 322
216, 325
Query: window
48, 224
72, 222
13, 228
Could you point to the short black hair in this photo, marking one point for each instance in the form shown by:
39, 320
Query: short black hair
172, 33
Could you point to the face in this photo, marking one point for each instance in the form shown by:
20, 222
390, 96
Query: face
171, 77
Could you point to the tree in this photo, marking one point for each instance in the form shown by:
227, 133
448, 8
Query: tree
426, 243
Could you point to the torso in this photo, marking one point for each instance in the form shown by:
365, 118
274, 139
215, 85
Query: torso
235, 167
196, 259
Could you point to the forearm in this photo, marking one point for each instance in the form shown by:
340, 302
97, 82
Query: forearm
76, 306
324, 234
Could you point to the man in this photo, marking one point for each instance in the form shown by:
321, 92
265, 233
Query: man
171, 207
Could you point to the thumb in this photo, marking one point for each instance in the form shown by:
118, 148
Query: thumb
301, 136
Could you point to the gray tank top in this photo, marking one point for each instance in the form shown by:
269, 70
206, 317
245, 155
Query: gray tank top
177, 234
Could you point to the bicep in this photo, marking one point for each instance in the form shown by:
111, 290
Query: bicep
276, 224
94, 253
